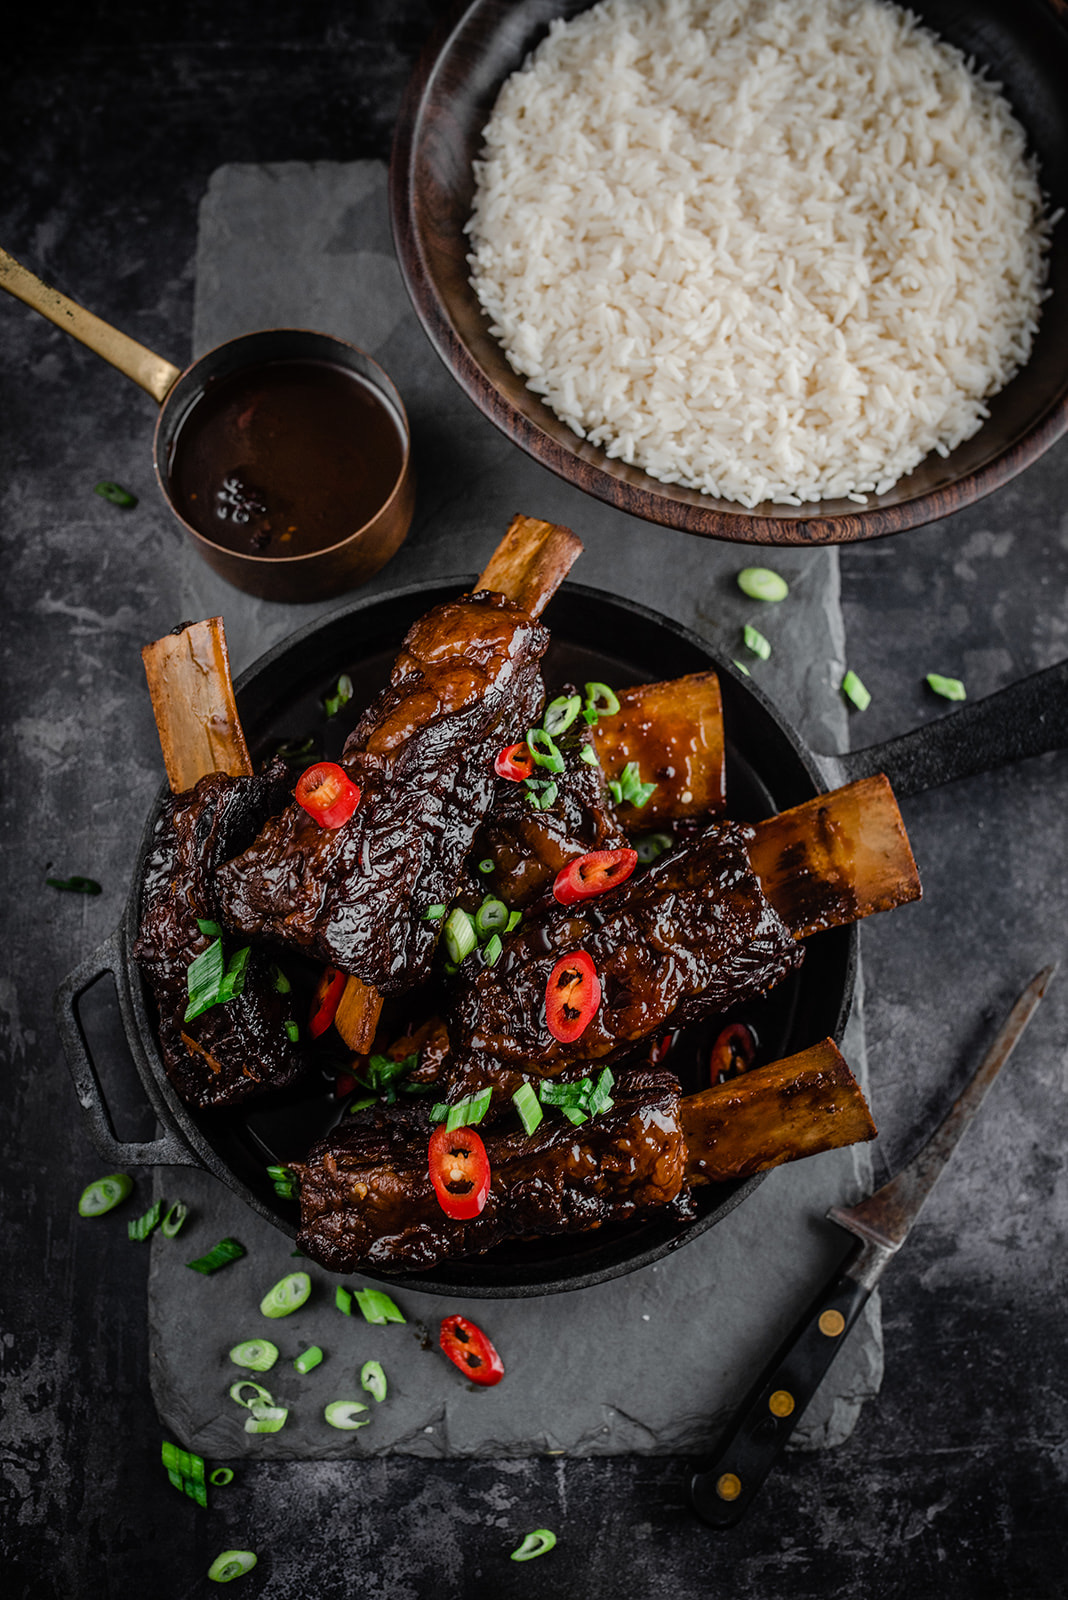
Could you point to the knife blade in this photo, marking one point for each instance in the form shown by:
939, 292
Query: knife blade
723, 1493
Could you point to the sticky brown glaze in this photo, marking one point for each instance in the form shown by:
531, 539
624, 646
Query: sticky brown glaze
367, 1200
466, 682
692, 936
235, 1051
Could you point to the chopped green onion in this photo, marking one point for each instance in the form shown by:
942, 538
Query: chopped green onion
285, 1182
616, 791
855, 691
761, 583
292, 1030
287, 1295
434, 913
185, 1470
599, 1099
290, 749
589, 755
172, 1222
563, 1094
332, 703
234, 977
343, 1299
225, 1251
600, 699
535, 1544
491, 917
651, 845
542, 747
103, 1194
210, 982
143, 1226
632, 790
742, 668
308, 1359
260, 1396
75, 885
949, 688
231, 1564
514, 919
439, 1111
373, 1379
468, 1112
573, 1114
491, 952
116, 494
526, 1103
755, 641
266, 1419
258, 1355
222, 1476
279, 981
460, 936
548, 797
378, 1307
360, 1105
345, 1414
485, 865
211, 929
561, 713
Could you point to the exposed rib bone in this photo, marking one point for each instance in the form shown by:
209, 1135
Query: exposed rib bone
531, 562
193, 700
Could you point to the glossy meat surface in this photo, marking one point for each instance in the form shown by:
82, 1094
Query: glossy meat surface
235, 1051
367, 1199
466, 682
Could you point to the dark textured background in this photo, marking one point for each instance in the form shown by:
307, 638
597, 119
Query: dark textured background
112, 118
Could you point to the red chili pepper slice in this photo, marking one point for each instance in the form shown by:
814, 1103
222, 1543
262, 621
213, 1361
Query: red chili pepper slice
468, 1348
514, 761
327, 998
732, 1052
459, 1171
661, 1048
592, 874
327, 793
572, 996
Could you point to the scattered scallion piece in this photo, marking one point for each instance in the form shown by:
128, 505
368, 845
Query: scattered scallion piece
360, 1105
742, 668
599, 1099
292, 749
514, 919
258, 1355
485, 865
526, 1103
185, 1470
75, 885
308, 1359
104, 1194
332, 703
142, 1226
632, 791
266, 1419
542, 747
344, 1414
260, 1395
755, 641
373, 1379
434, 913
560, 714
378, 1307
459, 934
292, 1030
589, 755
211, 930
491, 950
574, 1114
651, 845
285, 1182
171, 1225
279, 981
948, 688
222, 1476
535, 1544
491, 917
231, 1564
225, 1251
287, 1295
211, 982
115, 494
761, 583
469, 1111
343, 1299
601, 700
855, 691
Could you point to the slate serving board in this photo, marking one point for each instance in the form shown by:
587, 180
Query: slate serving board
651, 1362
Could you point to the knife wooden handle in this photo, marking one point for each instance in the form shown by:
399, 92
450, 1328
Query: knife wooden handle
724, 1492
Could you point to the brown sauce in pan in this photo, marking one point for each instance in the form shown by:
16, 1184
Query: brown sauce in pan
286, 458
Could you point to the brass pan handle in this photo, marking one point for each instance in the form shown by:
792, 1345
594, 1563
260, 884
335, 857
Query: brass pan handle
150, 371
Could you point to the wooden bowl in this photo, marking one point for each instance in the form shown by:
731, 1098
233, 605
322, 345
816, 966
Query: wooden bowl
1024, 43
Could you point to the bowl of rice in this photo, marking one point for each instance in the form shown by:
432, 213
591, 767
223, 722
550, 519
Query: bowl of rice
774, 271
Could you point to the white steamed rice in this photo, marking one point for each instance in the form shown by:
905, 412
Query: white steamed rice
770, 249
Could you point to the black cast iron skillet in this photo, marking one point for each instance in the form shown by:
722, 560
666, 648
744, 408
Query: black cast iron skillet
595, 636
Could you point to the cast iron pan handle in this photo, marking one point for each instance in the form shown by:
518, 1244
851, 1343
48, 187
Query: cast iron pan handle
1026, 719
166, 1151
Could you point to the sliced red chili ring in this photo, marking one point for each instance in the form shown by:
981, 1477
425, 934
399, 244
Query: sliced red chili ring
662, 1047
732, 1052
572, 996
515, 762
592, 874
459, 1171
327, 793
327, 998
468, 1348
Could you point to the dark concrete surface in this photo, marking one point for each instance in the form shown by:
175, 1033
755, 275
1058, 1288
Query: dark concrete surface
953, 1484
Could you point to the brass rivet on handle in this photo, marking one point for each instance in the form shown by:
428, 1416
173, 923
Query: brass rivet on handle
781, 1403
728, 1487
832, 1323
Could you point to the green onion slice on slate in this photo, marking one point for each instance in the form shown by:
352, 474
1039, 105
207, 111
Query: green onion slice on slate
948, 688
345, 1414
755, 641
172, 1222
492, 950
260, 1396
855, 691
258, 1355
103, 1194
222, 1476
115, 494
601, 700
460, 936
561, 713
332, 703
373, 1379
526, 1103
542, 747
75, 885
535, 1544
266, 1419
761, 583
231, 1564
343, 1299
308, 1359
225, 1251
287, 1295
378, 1307
742, 668
651, 845
185, 1470
491, 917
144, 1225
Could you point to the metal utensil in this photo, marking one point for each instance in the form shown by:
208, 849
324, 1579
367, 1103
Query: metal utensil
723, 1493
